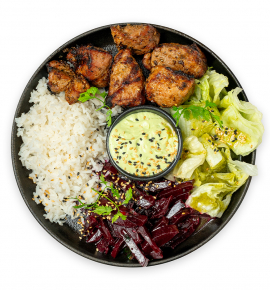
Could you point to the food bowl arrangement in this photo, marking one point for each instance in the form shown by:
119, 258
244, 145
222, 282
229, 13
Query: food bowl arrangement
177, 201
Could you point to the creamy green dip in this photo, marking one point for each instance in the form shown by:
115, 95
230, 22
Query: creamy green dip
143, 144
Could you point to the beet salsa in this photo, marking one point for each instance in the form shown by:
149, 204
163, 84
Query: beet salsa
137, 218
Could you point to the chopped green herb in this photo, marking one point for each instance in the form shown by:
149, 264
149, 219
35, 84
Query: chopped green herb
106, 210
197, 112
91, 94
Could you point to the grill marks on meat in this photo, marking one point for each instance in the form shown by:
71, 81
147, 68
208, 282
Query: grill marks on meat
126, 81
186, 58
140, 39
63, 79
168, 88
93, 63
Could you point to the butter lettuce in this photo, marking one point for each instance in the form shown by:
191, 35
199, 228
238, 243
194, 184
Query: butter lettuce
193, 155
214, 157
209, 87
210, 198
214, 191
246, 119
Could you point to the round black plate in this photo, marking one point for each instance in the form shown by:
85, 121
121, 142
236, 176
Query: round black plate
101, 37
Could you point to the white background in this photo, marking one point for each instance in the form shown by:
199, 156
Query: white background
238, 257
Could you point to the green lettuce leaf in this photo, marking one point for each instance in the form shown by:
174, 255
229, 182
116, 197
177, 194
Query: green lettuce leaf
217, 82
210, 198
214, 157
193, 155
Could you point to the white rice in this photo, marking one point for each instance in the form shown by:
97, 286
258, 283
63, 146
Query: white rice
55, 137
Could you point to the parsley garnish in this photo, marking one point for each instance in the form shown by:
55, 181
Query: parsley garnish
91, 94
197, 112
106, 210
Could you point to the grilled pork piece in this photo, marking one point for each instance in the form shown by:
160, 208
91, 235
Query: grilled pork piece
93, 63
168, 88
63, 79
140, 38
186, 58
126, 81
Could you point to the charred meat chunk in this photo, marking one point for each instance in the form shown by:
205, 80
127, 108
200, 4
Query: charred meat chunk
126, 81
63, 79
93, 63
168, 88
141, 38
186, 58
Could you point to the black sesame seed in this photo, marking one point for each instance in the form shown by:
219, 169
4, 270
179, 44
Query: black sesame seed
149, 165
143, 133
144, 173
121, 147
117, 139
137, 119
97, 129
192, 129
69, 177
161, 139
80, 155
130, 142
163, 129
86, 148
124, 153
226, 132
142, 163
138, 144
169, 155
137, 170
209, 140
140, 155
78, 173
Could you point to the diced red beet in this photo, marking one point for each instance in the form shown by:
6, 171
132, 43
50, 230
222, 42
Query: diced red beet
186, 229
89, 222
162, 222
131, 231
118, 182
160, 207
180, 216
164, 234
105, 231
119, 244
134, 248
95, 236
179, 191
146, 201
103, 246
145, 234
175, 209
138, 219
108, 168
155, 186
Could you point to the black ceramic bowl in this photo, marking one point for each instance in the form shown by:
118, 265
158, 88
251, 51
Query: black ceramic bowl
165, 116
65, 234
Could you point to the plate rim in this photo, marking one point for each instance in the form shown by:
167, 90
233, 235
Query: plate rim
15, 170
